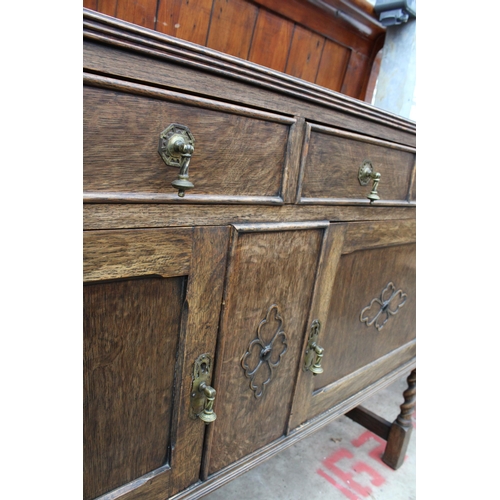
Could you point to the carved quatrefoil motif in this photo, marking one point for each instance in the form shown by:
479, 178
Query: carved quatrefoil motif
265, 352
380, 310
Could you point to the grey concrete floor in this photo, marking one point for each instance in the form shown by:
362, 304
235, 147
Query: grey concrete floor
341, 461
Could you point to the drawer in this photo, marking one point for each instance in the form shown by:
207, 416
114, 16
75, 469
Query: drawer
240, 155
331, 161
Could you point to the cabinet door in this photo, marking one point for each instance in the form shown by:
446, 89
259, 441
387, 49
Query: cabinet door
151, 307
268, 292
365, 304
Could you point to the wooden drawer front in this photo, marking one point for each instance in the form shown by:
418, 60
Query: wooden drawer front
366, 279
331, 160
239, 154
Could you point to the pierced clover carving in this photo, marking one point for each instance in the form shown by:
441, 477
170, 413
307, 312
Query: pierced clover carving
264, 355
380, 310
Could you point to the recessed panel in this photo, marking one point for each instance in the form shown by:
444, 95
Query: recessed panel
131, 331
372, 310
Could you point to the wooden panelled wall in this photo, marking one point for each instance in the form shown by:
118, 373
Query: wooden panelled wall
329, 42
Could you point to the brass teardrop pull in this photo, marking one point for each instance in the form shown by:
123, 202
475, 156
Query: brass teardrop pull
314, 352
207, 415
365, 174
176, 147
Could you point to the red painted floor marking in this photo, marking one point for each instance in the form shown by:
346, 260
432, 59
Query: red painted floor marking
376, 478
366, 436
352, 488
330, 462
377, 452
343, 489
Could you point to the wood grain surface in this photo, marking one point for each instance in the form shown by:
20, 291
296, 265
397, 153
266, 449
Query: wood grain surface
271, 41
113, 31
141, 12
413, 187
178, 18
107, 7
305, 54
121, 215
354, 257
92, 4
292, 160
355, 81
331, 162
361, 277
201, 325
296, 31
128, 326
333, 56
355, 383
328, 22
277, 229
402, 428
333, 242
126, 254
232, 26
254, 459
267, 267
379, 234
371, 421
130, 343
166, 63
121, 133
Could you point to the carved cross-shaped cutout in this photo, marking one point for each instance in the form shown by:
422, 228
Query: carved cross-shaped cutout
265, 352
380, 310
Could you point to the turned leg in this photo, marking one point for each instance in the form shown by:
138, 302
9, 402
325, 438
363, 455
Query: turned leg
400, 432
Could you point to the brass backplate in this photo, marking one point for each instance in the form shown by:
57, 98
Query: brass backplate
365, 172
313, 340
202, 372
173, 133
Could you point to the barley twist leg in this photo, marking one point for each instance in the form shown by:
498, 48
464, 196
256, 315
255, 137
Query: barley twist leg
401, 429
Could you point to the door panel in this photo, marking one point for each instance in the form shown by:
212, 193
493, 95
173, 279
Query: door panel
363, 277
267, 297
131, 335
365, 301
151, 307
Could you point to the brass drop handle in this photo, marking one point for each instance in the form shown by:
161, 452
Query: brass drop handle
365, 175
207, 415
316, 367
202, 394
176, 147
314, 352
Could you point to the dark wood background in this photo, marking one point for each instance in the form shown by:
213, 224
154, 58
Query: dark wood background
333, 43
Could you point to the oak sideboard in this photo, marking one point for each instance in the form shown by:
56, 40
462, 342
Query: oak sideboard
249, 263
